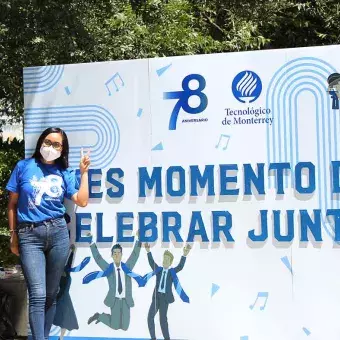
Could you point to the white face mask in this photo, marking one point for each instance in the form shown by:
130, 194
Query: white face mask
49, 153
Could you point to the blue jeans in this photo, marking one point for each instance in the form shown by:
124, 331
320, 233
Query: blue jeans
43, 253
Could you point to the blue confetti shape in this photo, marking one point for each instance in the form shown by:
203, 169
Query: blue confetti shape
67, 90
214, 289
244, 337
286, 262
139, 113
158, 147
306, 331
163, 69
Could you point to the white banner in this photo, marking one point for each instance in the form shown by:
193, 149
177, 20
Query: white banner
235, 155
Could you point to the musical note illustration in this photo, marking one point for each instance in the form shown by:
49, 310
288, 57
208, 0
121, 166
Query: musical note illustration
261, 295
225, 141
112, 80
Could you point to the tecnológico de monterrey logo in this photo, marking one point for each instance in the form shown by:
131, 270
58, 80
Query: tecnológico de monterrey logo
247, 86
183, 100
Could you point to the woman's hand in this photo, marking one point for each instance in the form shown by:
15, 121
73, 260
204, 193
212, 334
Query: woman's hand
14, 243
84, 162
82, 196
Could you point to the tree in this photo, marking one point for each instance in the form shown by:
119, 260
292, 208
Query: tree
37, 32
34, 33
10, 153
256, 24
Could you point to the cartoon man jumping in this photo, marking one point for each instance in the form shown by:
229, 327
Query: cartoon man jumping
166, 277
119, 298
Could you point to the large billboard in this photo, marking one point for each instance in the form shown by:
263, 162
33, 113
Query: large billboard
218, 175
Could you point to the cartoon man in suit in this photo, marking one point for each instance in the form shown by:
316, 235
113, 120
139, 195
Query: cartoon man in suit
166, 277
334, 89
118, 274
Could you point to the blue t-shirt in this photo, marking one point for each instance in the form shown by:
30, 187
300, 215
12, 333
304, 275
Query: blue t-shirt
41, 188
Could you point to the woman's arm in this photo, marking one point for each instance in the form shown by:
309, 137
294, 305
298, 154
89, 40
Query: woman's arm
82, 196
12, 221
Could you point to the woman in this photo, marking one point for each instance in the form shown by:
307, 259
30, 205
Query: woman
38, 229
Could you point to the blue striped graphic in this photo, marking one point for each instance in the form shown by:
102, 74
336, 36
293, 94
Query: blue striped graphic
41, 79
55, 332
80, 119
301, 75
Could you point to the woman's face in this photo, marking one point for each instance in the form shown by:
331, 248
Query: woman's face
55, 139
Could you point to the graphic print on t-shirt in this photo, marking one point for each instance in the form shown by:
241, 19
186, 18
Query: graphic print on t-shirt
50, 185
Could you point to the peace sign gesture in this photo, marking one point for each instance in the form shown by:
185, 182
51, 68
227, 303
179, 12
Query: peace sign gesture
84, 161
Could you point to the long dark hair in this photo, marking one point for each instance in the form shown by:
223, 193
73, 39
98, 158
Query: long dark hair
62, 161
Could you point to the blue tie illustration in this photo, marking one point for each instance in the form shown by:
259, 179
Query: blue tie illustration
120, 286
163, 280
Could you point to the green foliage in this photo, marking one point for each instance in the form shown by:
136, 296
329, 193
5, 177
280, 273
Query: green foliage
10, 154
37, 32
7, 259
257, 24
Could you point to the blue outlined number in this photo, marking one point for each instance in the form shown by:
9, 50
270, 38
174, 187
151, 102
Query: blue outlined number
183, 98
